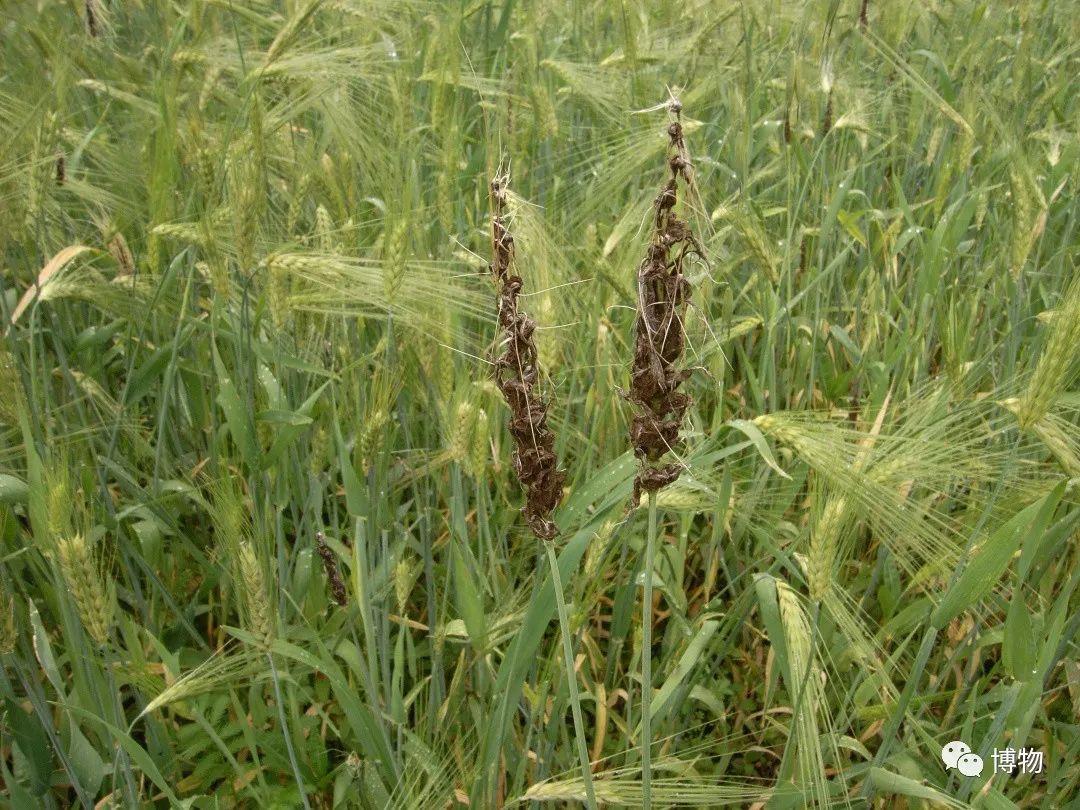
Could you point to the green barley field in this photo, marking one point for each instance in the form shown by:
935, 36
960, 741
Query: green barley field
511, 403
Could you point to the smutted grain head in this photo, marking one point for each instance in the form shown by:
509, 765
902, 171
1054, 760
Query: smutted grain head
516, 374
659, 337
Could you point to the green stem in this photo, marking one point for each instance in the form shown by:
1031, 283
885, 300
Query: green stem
571, 676
286, 732
892, 726
646, 658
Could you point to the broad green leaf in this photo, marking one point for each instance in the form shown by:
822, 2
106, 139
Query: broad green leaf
355, 494
43, 649
139, 757
13, 490
750, 430
993, 555
34, 744
1019, 648
467, 599
765, 588
689, 661
88, 765
896, 785
237, 416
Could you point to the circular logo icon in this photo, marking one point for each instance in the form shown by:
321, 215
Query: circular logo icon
952, 752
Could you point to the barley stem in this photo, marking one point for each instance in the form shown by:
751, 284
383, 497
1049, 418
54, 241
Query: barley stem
286, 733
892, 725
571, 676
646, 658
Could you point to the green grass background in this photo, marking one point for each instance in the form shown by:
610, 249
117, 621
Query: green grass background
244, 295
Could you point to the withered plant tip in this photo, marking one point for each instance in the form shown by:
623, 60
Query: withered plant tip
659, 336
516, 375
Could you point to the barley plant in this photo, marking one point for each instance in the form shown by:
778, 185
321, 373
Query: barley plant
525, 404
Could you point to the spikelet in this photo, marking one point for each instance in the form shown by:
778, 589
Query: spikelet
289, 32
348, 234
258, 150
8, 633
1056, 362
783, 432
796, 629
84, 577
459, 431
681, 498
444, 201
13, 402
182, 232
242, 205
258, 617
370, 438
298, 263
443, 360
828, 79
937, 135
806, 690
550, 352
59, 500
825, 532
44, 142
209, 85
121, 253
1028, 209
278, 290
324, 229
982, 206
480, 447
405, 573
757, 243
827, 119
296, 202
394, 257
1053, 435
544, 115
446, 179
595, 552
320, 449
210, 675
1051, 431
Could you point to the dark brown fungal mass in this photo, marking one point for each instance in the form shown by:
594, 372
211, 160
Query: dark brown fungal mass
333, 572
516, 375
91, 17
659, 336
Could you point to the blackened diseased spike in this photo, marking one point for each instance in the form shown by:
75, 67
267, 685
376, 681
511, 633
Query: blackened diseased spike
516, 374
659, 337
333, 572
61, 169
91, 18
